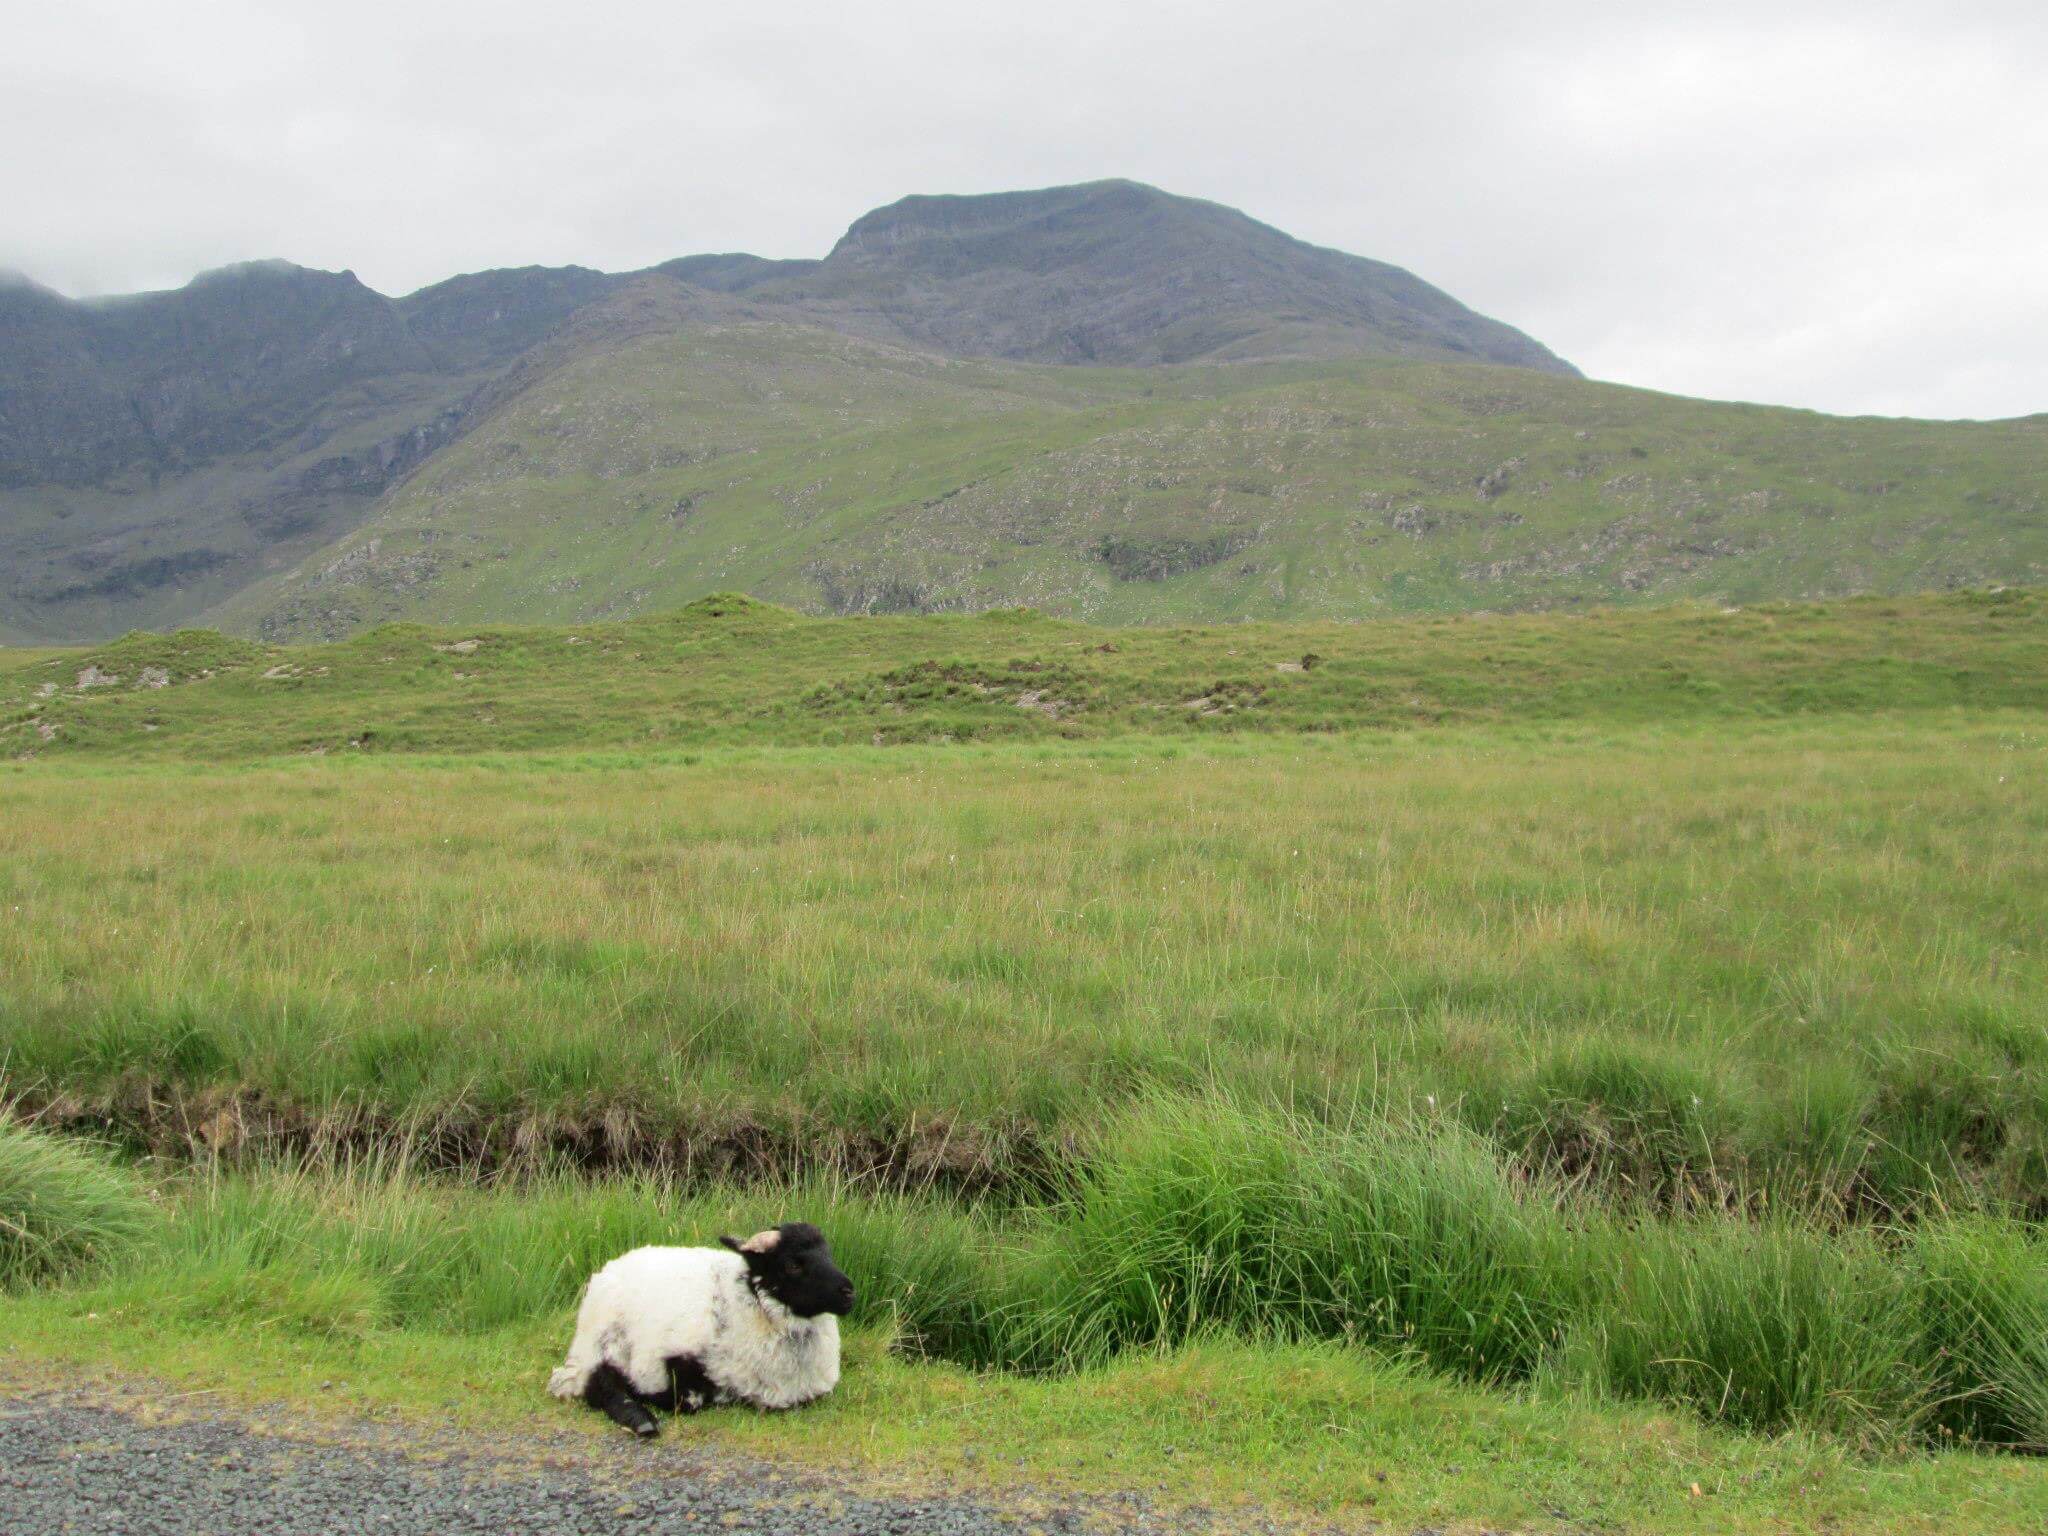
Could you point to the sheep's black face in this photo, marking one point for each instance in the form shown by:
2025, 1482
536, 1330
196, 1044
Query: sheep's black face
793, 1264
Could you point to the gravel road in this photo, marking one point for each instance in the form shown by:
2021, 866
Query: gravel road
118, 1464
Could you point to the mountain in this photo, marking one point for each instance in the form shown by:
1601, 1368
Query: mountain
488, 318
161, 453
157, 383
1103, 399
1118, 273
155, 450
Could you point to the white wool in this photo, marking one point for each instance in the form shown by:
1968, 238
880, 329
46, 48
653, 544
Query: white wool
654, 1303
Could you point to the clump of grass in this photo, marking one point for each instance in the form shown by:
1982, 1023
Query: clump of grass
1758, 1325
65, 1207
1940, 1108
1983, 1318
337, 1245
1197, 1214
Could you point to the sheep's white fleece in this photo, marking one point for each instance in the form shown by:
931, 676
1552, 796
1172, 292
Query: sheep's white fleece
654, 1303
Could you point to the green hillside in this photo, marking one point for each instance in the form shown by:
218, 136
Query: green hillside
835, 474
730, 671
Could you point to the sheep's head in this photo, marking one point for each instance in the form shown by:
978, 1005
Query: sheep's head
793, 1264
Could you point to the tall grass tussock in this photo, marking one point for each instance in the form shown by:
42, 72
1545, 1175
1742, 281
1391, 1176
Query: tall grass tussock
65, 1208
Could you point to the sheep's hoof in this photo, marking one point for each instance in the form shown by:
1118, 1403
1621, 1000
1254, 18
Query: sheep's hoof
646, 1430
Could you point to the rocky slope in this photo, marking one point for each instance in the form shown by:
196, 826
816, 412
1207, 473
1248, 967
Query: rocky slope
1113, 272
156, 450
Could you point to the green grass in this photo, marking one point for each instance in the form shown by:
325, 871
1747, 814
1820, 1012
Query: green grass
1715, 961
1318, 1433
1193, 1216
1299, 1317
1983, 1298
730, 671
64, 1208
828, 473
1181, 1219
1523, 1027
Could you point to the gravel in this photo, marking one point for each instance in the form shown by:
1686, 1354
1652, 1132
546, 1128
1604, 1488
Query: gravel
70, 1462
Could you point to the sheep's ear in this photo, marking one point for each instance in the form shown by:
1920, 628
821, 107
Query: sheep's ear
759, 1243
733, 1243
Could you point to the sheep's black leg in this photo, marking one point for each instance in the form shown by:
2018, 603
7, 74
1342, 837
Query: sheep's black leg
690, 1386
609, 1391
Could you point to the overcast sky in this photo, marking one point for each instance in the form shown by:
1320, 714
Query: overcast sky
1838, 205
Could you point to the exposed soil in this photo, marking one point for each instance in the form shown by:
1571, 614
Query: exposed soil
168, 1119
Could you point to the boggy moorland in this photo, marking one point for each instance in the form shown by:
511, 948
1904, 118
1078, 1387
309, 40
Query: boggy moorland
1547, 1025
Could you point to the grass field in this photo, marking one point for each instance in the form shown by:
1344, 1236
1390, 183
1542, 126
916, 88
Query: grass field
1535, 1023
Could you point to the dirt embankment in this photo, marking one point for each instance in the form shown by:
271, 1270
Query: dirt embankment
241, 1124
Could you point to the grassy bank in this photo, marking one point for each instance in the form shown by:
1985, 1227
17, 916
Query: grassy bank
1184, 1218
1229, 1304
728, 671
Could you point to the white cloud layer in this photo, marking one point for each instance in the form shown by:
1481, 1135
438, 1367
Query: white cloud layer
1832, 203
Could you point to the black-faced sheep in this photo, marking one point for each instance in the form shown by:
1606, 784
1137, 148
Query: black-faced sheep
684, 1328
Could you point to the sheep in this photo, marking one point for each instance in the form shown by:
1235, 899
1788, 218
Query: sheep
685, 1328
